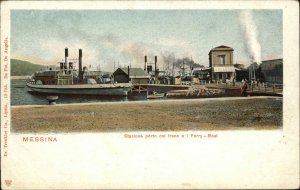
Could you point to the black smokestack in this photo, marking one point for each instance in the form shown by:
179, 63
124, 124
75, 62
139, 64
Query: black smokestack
66, 59
80, 64
128, 74
155, 61
66, 52
66, 55
155, 66
145, 63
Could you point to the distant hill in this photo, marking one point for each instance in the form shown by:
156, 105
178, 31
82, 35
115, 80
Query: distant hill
23, 68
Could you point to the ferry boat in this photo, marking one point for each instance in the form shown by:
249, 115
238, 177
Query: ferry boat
66, 80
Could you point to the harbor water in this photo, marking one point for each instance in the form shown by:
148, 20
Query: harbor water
21, 95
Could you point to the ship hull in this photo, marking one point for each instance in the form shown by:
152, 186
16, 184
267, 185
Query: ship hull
120, 89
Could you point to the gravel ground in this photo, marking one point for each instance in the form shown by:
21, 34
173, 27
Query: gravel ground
201, 114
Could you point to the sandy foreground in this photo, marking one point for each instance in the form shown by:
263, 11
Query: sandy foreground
163, 115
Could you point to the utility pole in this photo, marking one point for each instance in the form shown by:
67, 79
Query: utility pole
250, 70
173, 74
191, 65
168, 66
182, 66
173, 69
249, 73
253, 66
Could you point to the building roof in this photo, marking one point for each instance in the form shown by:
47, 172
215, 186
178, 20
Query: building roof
272, 60
271, 64
221, 48
135, 72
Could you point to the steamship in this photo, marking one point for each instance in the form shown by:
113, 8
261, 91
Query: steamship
67, 80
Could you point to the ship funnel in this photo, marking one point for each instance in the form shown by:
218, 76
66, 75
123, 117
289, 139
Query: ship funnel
66, 61
145, 63
128, 74
66, 55
156, 71
155, 61
66, 52
80, 65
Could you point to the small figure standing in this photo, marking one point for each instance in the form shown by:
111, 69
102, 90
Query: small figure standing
244, 87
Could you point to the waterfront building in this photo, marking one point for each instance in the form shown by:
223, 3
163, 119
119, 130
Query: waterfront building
272, 70
221, 64
135, 76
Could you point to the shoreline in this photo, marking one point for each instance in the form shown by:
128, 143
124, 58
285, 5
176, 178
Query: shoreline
151, 101
157, 115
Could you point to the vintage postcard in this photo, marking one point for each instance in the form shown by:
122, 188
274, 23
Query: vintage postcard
149, 94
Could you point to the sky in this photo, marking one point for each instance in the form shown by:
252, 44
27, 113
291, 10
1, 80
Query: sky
124, 37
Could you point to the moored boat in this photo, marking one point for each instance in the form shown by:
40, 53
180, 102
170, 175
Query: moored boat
67, 80
117, 89
155, 95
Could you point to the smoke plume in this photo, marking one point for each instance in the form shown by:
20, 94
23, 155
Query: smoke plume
173, 65
250, 32
135, 52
